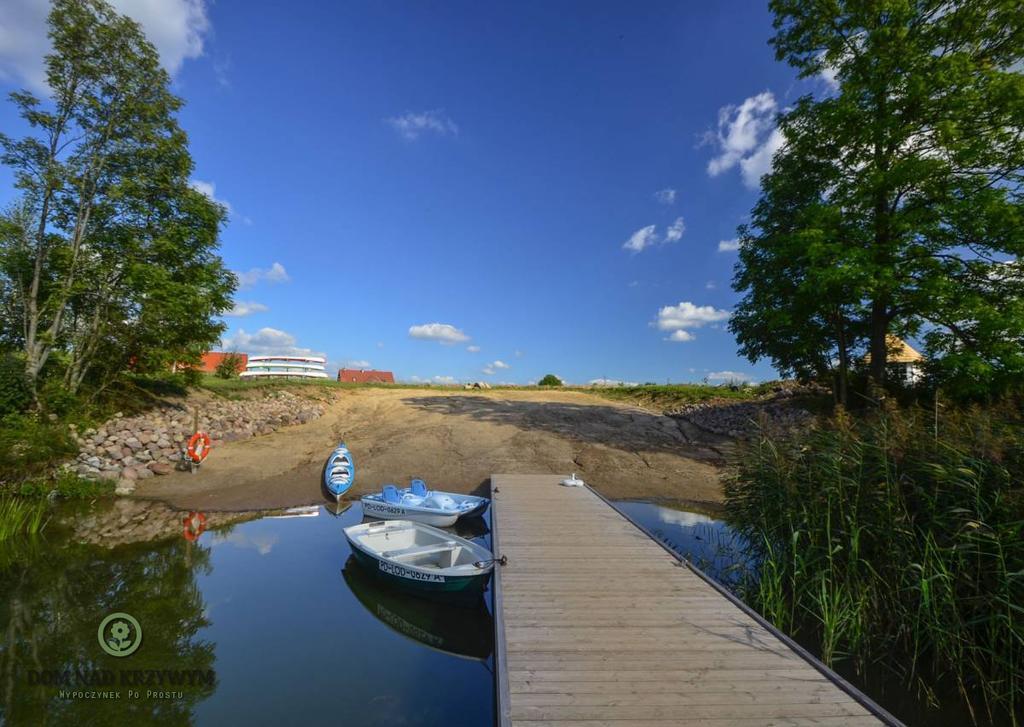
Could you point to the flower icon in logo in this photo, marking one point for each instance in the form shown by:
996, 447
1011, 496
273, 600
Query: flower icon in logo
116, 634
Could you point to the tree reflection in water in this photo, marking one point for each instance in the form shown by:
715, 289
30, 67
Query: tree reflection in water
54, 599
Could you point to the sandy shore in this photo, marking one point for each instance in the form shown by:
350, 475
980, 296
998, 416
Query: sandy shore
455, 441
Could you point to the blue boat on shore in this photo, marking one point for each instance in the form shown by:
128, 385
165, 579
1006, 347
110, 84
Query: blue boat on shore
339, 472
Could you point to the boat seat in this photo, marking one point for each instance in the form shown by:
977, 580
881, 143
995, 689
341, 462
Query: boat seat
390, 495
418, 488
420, 550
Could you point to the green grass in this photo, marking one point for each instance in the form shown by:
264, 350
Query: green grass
31, 446
670, 396
21, 517
896, 545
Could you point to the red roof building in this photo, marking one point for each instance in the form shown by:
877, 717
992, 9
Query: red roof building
362, 376
212, 359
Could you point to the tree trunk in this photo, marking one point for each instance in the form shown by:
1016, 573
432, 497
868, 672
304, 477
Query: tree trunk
844, 365
879, 347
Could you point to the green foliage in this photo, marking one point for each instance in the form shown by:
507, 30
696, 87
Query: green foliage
229, 366
20, 517
108, 261
673, 396
66, 485
14, 392
550, 380
895, 206
30, 446
897, 544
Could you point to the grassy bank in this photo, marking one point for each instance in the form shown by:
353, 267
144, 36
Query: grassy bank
673, 396
894, 541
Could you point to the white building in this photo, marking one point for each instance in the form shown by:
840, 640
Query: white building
306, 367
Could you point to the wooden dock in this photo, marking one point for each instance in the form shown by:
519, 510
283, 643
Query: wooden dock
598, 625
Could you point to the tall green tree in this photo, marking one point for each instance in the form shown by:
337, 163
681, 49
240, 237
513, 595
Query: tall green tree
895, 205
109, 244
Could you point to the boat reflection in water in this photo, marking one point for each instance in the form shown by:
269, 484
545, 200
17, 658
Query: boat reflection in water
460, 630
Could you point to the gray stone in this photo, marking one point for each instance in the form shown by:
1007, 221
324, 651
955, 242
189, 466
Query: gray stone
161, 468
143, 473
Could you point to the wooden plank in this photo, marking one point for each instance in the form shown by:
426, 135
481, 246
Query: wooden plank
601, 626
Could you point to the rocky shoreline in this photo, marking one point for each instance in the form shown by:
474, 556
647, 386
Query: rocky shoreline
127, 449
743, 419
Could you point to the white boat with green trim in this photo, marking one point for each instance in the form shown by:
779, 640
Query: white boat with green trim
421, 558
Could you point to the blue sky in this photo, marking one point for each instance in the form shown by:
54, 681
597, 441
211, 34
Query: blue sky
473, 191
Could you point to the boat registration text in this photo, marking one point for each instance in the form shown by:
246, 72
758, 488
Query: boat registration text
397, 570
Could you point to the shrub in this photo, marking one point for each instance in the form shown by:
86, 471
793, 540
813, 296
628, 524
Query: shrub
14, 392
229, 366
29, 446
550, 380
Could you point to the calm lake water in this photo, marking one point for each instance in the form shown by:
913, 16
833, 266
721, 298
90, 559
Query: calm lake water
706, 541
269, 618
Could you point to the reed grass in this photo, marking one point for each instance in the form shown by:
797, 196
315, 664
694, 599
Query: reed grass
21, 517
892, 542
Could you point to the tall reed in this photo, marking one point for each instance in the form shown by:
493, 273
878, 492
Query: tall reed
890, 542
19, 516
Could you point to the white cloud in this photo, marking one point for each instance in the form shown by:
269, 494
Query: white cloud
473, 349
728, 245
641, 239
680, 336
648, 236
357, 364
267, 342
210, 190
729, 376
675, 230
665, 196
746, 137
440, 332
493, 367
688, 315
611, 382
274, 274
444, 379
710, 285
679, 319
830, 76
412, 124
244, 308
178, 29
518, 353
759, 163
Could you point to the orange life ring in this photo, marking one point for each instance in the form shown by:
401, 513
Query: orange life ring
195, 524
199, 446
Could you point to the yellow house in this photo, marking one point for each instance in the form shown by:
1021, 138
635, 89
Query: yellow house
903, 361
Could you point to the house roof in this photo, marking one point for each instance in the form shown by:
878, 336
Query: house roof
899, 351
366, 376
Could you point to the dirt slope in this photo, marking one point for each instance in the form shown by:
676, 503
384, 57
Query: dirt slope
455, 441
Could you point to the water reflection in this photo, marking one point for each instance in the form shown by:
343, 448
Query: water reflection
267, 602
462, 630
707, 542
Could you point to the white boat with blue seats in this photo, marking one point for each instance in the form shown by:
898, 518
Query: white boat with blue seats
416, 502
